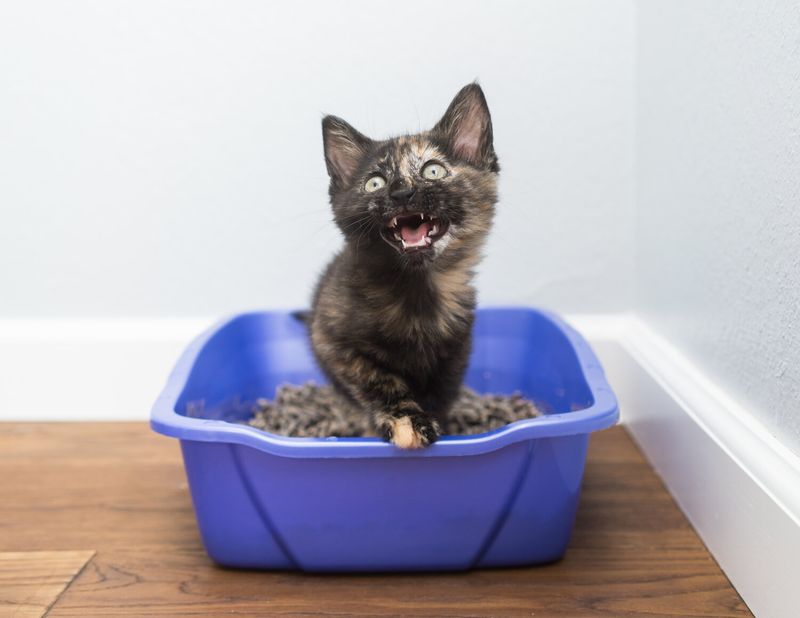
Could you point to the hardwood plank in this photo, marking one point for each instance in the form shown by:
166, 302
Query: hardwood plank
121, 489
30, 582
613, 581
116, 483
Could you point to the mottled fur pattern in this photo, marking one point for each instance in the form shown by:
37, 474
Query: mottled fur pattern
390, 326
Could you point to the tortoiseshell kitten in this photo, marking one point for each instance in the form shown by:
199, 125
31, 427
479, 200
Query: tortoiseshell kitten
392, 314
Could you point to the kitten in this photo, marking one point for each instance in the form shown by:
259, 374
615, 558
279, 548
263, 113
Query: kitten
392, 313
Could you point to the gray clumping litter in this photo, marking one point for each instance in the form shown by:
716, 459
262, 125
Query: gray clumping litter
318, 411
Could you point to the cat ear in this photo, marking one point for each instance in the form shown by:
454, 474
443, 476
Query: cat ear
467, 127
344, 149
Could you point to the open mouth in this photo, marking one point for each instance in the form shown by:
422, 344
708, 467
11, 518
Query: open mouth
414, 231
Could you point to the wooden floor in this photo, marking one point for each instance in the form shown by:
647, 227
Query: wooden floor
109, 503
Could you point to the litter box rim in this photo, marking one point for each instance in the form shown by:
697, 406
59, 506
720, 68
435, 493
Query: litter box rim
603, 413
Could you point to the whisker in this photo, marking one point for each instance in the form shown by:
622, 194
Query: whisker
352, 224
357, 222
361, 233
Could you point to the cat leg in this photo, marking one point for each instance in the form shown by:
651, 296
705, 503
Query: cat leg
406, 425
439, 394
396, 414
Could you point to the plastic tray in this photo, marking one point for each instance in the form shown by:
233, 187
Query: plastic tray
505, 497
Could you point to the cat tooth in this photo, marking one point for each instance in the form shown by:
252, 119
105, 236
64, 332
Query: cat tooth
421, 217
394, 222
433, 230
404, 243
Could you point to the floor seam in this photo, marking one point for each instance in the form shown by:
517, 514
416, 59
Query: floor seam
69, 583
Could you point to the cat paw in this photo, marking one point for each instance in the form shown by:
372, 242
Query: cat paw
408, 432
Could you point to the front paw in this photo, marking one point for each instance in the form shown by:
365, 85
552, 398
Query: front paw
411, 431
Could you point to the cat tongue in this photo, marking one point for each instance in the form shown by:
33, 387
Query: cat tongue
415, 236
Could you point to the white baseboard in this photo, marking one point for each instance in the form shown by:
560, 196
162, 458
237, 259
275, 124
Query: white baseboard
736, 483
88, 369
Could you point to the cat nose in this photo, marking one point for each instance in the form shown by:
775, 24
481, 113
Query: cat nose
402, 193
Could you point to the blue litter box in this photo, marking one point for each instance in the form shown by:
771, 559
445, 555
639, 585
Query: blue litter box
501, 498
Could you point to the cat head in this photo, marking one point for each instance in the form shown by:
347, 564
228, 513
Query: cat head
416, 198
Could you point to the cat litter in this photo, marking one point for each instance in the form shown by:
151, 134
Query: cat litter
316, 411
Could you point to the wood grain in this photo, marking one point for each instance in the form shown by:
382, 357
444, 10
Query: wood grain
30, 582
121, 489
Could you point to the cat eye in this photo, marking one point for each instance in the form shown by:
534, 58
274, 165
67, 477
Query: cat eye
374, 183
433, 171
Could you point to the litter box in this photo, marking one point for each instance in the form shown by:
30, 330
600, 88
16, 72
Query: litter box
502, 498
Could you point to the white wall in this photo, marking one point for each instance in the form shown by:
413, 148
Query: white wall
165, 158
718, 197
159, 159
